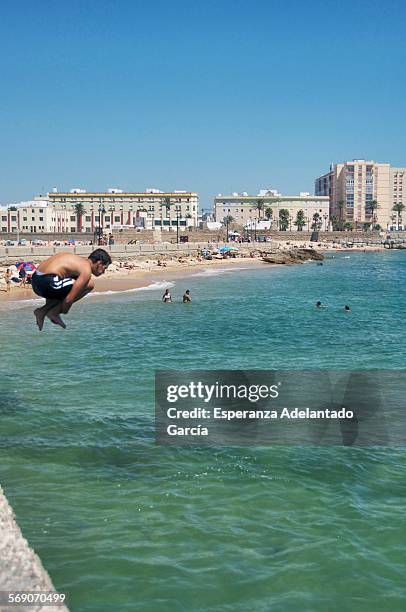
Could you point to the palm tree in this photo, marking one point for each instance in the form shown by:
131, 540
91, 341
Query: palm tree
259, 207
399, 208
316, 225
79, 211
167, 203
371, 208
340, 207
226, 221
268, 213
348, 226
284, 219
300, 220
334, 222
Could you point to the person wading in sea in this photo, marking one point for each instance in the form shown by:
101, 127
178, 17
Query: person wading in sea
167, 298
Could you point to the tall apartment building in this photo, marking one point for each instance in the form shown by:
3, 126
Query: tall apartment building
398, 194
244, 208
352, 185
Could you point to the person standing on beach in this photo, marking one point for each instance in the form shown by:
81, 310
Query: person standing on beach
167, 298
7, 278
186, 296
23, 277
64, 279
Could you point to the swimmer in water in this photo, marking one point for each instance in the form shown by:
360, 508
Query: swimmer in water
186, 297
167, 298
64, 279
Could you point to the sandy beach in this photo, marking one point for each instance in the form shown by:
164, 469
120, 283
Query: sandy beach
121, 279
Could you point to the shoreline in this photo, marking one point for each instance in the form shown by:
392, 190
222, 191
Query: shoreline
119, 281
142, 273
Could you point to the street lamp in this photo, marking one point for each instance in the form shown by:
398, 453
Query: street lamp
177, 224
100, 228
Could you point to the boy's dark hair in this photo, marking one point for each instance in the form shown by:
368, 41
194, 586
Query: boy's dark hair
100, 255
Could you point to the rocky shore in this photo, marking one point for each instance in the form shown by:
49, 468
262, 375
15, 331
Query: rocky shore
292, 256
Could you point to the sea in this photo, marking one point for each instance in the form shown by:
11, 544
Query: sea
123, 524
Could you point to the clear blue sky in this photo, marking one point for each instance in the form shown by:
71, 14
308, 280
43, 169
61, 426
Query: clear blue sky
213, 96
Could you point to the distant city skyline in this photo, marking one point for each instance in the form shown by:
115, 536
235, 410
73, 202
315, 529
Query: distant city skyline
213, 97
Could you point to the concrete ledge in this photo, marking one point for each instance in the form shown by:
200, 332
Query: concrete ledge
20, 568
83, 250
29, 253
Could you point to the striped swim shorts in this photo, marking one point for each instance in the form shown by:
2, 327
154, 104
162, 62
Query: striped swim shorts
51, 286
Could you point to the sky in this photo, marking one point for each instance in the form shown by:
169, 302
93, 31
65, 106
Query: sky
210, 96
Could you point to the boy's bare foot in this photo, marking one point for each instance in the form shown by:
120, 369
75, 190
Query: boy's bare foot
56, 320
39, 314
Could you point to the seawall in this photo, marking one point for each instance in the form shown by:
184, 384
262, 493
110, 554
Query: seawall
9, 255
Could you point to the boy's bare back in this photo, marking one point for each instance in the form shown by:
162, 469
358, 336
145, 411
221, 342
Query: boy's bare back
66, 264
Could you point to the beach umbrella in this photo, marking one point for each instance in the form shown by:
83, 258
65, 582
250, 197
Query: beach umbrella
226, 248
27, 265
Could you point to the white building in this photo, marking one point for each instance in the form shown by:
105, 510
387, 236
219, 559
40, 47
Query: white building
31, 216
83, 212
298, 212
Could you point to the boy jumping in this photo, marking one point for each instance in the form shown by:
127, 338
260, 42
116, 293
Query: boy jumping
64, 279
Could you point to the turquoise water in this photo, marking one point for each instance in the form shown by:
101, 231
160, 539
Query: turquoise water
122, 524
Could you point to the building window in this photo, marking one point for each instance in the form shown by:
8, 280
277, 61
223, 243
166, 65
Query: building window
107, 218
41, 218
5, 218
117, 219
3, 229
88, 219
72, 218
